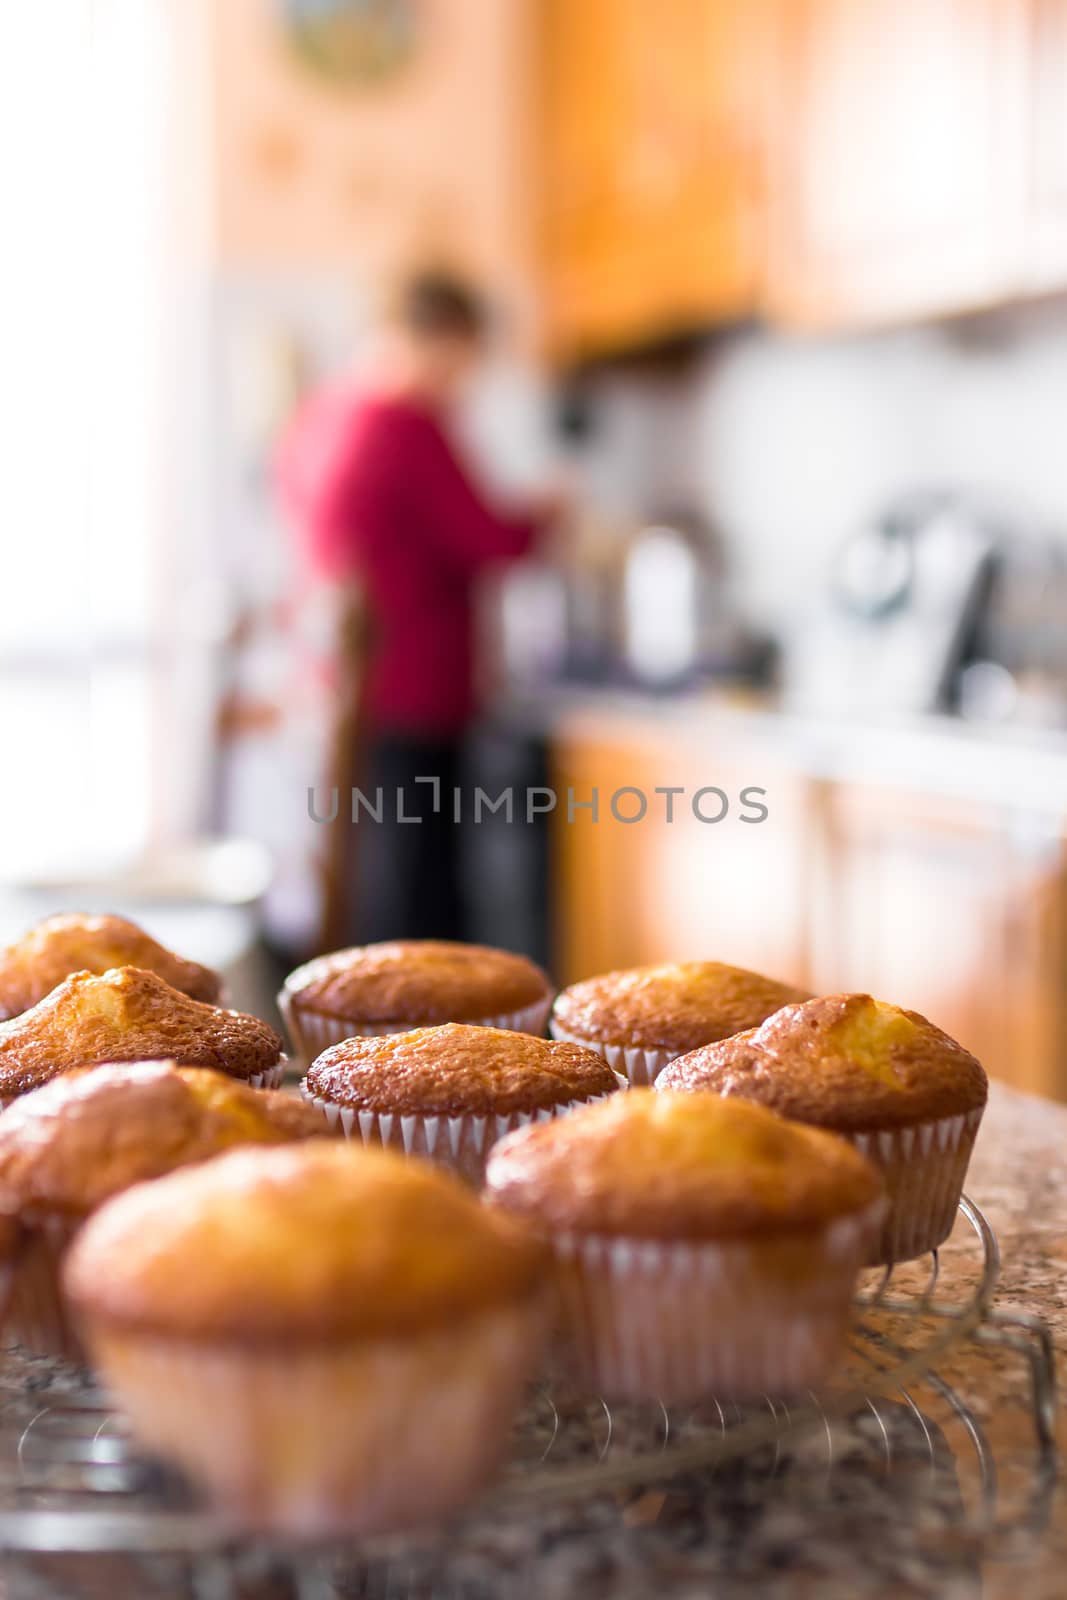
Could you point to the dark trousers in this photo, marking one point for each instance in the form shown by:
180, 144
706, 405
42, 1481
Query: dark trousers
408, 872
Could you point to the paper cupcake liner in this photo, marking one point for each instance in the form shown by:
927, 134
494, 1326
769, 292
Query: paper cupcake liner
681, 1322
272, 1078
349, 1439
638, 1065
924, 1168
460, 1143
37, 1316
312, 1032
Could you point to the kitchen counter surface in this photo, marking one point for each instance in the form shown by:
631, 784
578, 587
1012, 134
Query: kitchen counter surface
864, 1525
1023, 769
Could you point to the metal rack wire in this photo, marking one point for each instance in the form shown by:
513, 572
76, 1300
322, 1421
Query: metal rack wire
903, 1327
71, 1481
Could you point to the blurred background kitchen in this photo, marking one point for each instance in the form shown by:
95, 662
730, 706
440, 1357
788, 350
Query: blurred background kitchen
780, 297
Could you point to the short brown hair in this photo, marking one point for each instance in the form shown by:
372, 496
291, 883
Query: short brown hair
434, 303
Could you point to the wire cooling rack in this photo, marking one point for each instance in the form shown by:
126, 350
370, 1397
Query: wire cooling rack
73, 1484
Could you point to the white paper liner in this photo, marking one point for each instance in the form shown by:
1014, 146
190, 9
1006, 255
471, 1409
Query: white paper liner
679, 1322
640, 1066
924, 1169
351, 1439
461, 1143
272, 1078
311, 1032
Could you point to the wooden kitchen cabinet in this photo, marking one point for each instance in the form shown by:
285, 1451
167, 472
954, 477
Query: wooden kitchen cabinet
626, 894
650, 138
954, 908
822, 163
889, 146
1044, 112
919, 158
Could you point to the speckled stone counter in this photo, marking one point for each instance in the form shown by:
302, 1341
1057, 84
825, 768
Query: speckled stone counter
942, 1492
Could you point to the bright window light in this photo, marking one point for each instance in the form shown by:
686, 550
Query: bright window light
83, 103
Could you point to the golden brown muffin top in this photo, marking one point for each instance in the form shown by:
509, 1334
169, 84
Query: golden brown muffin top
673, 1007
68, 1146
418, 980
668, 1166
456, 1068
127, 1015
45, 955
846, 1062
314, 1242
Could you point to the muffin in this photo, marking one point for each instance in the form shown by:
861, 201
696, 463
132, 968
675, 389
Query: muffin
33, 966
642, 1018
410, 983
704, 1246
130, 1015
328, 1339
448, 1093
903, 1092
69, 1146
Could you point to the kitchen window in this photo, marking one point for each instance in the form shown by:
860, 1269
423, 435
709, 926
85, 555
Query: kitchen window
91, 330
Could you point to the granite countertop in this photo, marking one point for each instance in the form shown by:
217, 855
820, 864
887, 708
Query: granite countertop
902, 1509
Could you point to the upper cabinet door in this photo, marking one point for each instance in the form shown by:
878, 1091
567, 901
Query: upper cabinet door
651, 143
827, 163
1045, 109
889, 158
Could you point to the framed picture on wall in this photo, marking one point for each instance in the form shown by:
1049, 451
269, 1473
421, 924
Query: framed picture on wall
352, 41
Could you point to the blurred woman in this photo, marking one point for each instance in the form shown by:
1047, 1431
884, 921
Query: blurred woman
385, 501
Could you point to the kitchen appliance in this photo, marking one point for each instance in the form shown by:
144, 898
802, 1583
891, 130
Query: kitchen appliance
623, 605
677, 624
669, 596
553, 618
908, 592
1019, 674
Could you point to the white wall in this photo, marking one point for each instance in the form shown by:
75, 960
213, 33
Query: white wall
367, 180
785, 443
